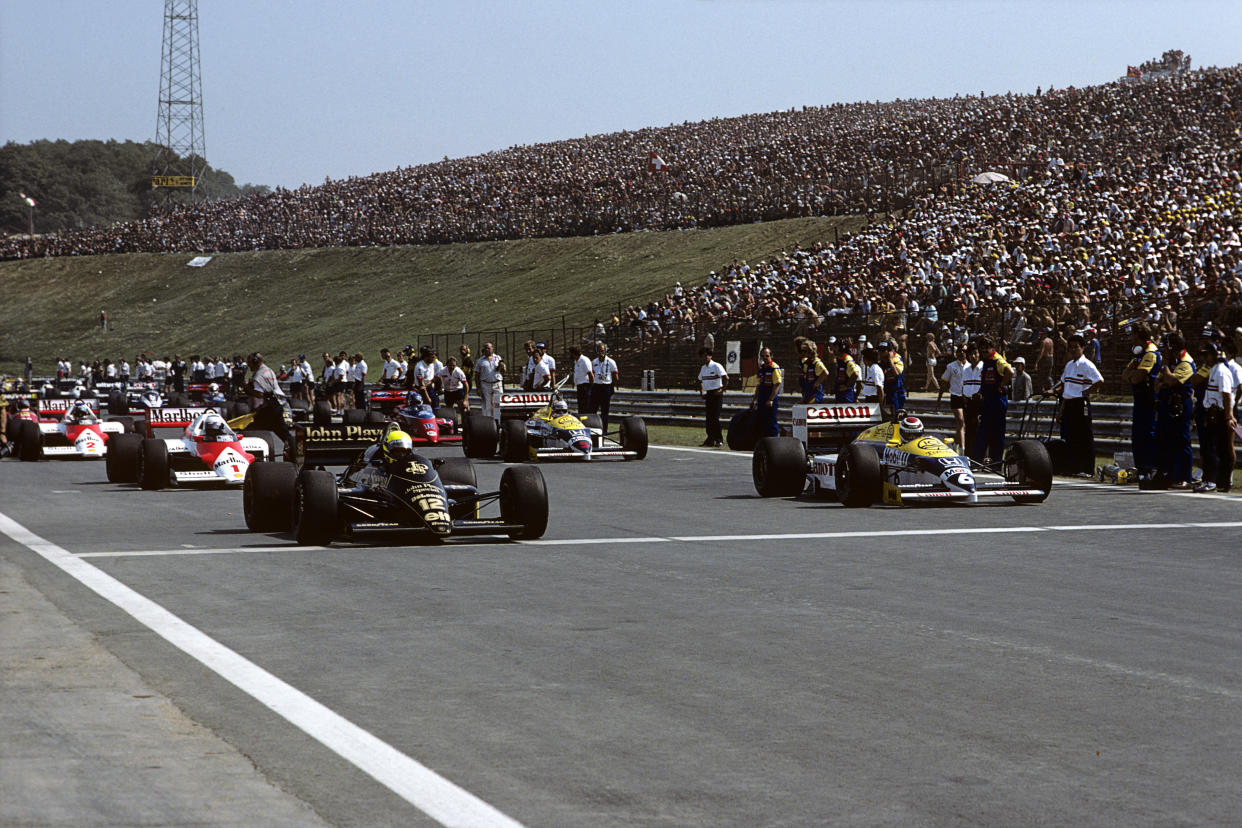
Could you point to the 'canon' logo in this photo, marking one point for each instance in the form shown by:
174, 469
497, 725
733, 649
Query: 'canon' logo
838, 412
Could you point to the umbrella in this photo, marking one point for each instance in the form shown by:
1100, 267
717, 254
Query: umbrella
989, 178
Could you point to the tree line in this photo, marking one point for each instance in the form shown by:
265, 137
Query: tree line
79, 184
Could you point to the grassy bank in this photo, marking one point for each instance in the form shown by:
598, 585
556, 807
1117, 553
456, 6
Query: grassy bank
286, 301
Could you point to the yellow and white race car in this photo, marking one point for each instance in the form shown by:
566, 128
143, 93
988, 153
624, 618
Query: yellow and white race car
538, 426
864, 461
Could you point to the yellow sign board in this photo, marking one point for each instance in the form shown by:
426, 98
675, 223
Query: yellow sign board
172, 181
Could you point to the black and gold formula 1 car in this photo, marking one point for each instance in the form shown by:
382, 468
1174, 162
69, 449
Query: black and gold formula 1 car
844, 450
385, 492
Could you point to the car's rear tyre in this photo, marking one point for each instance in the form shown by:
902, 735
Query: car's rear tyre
593, 421
860, 480
1030, 465
123, 458
153, 470
322, 414
742, 432
126, 422
375, 418
480, 436
353, 416
459, 471
513, 446
299, 404
314, 514
267, 496
634, 437
524, 500
447, 412
118, 403
778, 467
275, 448
29, 442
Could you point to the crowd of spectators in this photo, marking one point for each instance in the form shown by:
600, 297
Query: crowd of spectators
843, 158
1074, 244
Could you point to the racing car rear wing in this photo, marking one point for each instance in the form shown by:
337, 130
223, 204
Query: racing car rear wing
180, 417
333, 445
48, 409
830, 423
523, 403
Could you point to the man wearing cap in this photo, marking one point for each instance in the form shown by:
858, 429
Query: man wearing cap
1141, 374
1022, 387
993, 403
846, 375
894, 378
1079, 379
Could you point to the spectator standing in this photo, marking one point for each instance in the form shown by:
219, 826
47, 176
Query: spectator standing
1044, 363
931, 356
767, 395
1022, 387
489, 373
1078, 381
606, 375
543, 371
712, 382
1174, 409
358, 377
456, 385
994, 379
1141, 373
1216, 439
584, 377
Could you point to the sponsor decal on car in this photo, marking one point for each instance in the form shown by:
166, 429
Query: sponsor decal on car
525, 398
350, 432
174, 416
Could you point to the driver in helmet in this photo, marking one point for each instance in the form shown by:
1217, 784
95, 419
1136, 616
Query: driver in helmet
151, 398
216, 430
559, 407
910, 428
395, 447
214, 394
79, 412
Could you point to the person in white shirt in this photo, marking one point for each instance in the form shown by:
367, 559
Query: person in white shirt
222, 372
972, 384
872, 377
340, 380
390, 369
1079, 379
308, 379
1219, 421
606, 374
358, 376
489, 375
110, 370
297, 380
456, 386
123, 371
426, 377
583, 378
403, 368
543, 372
264, 384
954, 373
712, 382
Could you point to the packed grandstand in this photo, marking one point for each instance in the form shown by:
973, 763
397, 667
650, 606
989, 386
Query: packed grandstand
1113, 201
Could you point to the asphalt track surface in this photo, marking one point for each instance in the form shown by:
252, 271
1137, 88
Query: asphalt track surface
675, 651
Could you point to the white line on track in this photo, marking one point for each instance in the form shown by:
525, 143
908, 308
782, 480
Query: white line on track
417, 784
791, 536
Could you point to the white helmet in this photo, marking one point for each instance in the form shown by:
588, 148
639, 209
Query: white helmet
911, 428
559, 408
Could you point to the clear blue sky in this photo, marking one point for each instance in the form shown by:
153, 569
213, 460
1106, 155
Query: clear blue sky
298, 90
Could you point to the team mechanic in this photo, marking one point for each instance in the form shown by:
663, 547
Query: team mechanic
812, 374
993, 403
1141, 374
767, 395
894, 379
1174, 410
845, 381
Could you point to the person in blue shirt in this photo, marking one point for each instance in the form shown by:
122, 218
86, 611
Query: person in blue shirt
767, 395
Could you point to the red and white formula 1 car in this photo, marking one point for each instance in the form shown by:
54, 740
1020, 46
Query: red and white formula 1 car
207, 452
66, 429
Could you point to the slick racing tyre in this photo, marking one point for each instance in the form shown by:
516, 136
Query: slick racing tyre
353, 416
118, 403
375, 418
1030, 465
634, 437
513, 446
275, 448
447, 412
459, 471
860, 480
123, 458
29, 442
322, 414
742, 432
267, 496
593, 421
153, 468
524, 500
778, 467
480, 436
314, 508
126, 422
